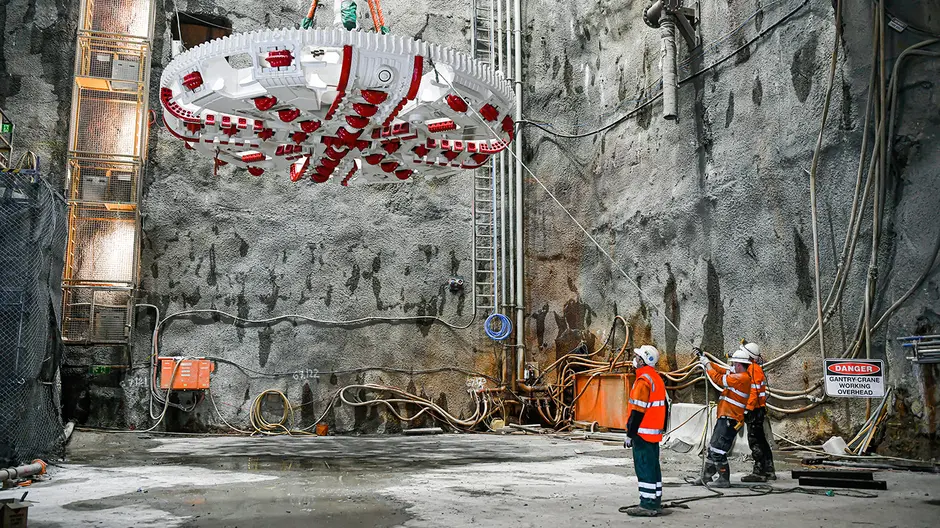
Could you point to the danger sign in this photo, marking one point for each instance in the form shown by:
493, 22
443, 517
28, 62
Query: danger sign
855, 378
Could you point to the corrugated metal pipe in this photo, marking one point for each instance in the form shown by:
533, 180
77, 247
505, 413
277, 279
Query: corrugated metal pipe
37, 467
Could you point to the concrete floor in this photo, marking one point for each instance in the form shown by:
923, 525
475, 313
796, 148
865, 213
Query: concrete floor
122, 480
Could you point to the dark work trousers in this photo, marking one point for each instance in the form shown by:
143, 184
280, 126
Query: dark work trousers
757, 440
722, 439
648, 473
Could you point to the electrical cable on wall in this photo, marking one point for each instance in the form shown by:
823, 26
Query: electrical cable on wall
682, 374
838, 285
646, 101
801, 394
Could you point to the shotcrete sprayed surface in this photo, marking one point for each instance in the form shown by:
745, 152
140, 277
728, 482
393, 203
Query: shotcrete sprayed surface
440, 481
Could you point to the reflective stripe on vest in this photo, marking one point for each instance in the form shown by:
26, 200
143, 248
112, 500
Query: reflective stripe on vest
645, 405
654, 411
733, 402
649, 379
736, 391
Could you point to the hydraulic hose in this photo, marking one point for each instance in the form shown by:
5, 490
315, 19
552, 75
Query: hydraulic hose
500, 333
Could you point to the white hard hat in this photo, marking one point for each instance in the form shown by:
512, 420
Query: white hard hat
741, 356
647, 354
752, 349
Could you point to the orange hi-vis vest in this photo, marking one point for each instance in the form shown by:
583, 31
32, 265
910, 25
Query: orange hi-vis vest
736, 389
648, 396
758, 395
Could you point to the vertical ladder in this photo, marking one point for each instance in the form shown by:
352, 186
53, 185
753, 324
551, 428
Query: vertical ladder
482, 36
483, 47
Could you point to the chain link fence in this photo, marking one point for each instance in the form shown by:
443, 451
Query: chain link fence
33, 229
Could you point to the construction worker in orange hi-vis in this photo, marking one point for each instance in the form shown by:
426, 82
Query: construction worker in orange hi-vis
736, 388
645, 425
755, 416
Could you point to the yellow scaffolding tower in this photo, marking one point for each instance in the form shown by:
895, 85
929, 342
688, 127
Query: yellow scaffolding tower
107, 150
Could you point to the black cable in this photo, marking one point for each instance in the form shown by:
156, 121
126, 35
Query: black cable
759, 491
351, 370
746, 44
604, 128
691, 76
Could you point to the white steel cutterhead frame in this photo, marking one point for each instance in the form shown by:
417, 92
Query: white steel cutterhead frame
344, 105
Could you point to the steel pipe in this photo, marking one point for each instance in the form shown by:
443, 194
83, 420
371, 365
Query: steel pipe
519, 227
667, 31
37, 467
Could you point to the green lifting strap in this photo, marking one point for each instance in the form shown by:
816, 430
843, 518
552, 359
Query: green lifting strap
348, 14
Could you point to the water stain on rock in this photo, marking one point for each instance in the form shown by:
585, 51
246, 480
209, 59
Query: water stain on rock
847, 123
729, 113
803, 67
265, 338
270, 300
757, 92
242, 245
211, 278
804, 280
307, 412
429, 252
713, 337
353, 281
671, 302
328, 295
539, 317
641, 328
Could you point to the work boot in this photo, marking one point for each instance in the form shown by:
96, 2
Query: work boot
702, 480
639, 511
754, 477
769, 472
722, 482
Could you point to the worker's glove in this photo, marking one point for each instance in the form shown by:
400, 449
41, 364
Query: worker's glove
703, 361
307, 23
627, 441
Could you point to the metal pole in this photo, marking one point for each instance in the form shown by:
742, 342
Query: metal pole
473, 28
667, 31
520, 277
38, 467
500, 63
510, 240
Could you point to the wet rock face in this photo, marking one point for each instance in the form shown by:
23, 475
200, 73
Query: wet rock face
37, 53
265, 247
709, 215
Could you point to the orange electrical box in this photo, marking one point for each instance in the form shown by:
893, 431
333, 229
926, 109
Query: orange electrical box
192, 374
603, 399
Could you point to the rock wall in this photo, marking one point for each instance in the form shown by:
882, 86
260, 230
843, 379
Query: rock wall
710, 215
263, 247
